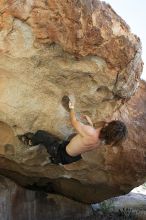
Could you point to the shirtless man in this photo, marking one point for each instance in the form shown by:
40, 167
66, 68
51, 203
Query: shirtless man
86, 139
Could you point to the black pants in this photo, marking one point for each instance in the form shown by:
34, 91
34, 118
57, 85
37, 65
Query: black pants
55, 147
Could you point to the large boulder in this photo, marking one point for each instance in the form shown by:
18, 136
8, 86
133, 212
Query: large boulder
49, 50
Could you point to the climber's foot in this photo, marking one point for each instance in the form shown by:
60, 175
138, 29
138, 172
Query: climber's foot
26, 138
30, 142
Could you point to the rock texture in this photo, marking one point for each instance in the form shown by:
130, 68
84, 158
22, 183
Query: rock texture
50, 49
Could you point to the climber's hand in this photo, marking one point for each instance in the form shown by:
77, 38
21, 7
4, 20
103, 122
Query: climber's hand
71, 105
71, 101
88, 119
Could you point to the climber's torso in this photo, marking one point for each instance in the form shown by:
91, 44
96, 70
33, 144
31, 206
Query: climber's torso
80, 144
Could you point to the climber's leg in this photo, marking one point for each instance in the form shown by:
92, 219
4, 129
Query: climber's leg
40, 137
50, 141
45, 138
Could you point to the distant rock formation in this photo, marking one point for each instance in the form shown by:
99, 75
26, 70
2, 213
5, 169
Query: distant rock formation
51, 49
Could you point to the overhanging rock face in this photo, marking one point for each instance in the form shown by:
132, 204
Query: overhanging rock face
50, 49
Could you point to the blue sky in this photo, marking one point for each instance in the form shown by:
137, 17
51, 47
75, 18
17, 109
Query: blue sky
134, 13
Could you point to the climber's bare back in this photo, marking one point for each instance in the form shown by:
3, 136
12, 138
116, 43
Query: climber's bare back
87, 137
84, 142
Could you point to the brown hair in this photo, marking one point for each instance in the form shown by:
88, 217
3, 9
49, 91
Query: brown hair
115, 132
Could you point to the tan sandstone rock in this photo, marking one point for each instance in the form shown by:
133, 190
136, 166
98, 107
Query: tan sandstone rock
50, 49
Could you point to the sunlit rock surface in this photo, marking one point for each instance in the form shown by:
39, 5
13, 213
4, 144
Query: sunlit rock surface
50, 49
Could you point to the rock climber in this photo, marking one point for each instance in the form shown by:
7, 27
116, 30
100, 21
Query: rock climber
86, 139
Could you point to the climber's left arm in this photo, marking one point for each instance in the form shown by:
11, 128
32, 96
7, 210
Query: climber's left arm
82, 129
88, 119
